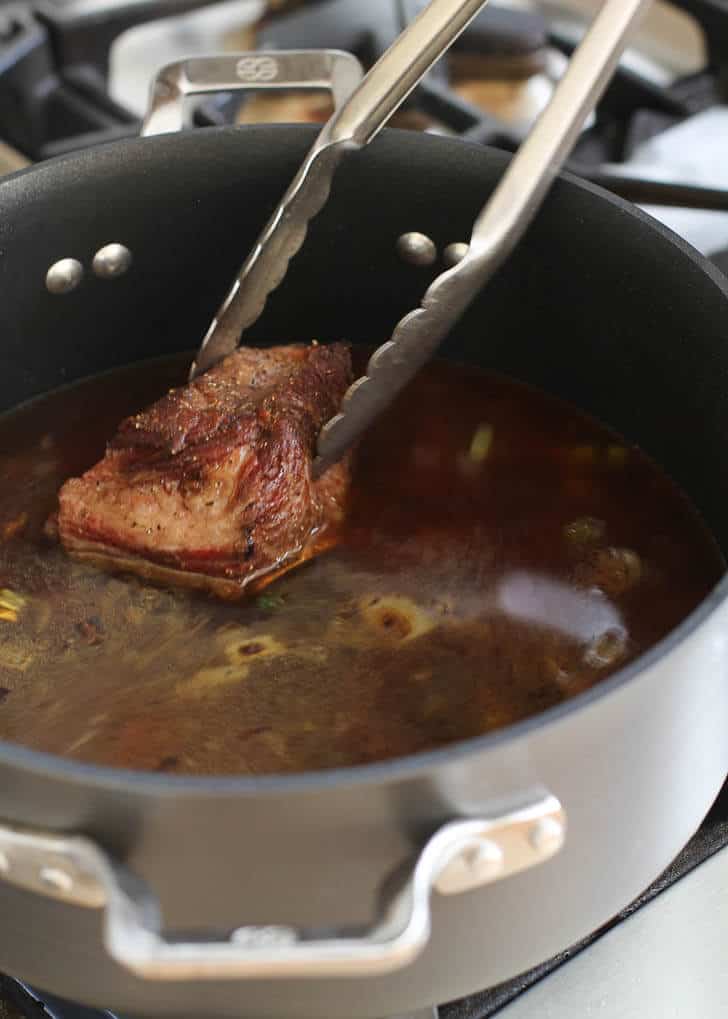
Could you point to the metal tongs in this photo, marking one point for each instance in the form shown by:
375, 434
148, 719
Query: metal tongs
352, 126
498, 228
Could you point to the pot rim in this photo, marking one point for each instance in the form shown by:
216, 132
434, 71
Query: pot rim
132, 781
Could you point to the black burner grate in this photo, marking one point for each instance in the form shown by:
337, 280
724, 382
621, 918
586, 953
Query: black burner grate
512, 41
54, 57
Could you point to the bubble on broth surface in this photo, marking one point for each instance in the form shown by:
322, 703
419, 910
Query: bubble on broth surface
395, 617
585, 531
614, 570
606, 649
242, 646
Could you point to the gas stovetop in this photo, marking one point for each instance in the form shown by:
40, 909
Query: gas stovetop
76, 72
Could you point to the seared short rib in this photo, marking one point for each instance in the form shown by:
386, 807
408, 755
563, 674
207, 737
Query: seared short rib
211, 486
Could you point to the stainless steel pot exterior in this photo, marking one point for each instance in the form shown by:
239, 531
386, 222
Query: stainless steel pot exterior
635, 764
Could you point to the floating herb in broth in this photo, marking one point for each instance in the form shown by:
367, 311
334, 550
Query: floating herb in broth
503, 553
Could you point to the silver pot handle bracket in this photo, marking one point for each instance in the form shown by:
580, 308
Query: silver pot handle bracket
460, 856
326, 70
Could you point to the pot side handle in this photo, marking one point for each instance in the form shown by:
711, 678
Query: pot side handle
459, 856
314, 70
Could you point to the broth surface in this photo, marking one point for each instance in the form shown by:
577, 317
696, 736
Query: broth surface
503, 552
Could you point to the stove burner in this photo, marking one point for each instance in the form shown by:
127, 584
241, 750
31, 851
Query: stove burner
499, 44
517, 50
515, 44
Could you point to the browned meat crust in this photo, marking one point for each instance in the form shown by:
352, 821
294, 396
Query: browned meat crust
211, 486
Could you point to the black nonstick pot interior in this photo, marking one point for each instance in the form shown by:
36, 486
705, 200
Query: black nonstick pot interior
600, 305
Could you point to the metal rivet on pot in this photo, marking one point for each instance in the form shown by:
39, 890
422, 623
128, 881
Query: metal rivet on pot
64, 276
546, 836
416, 248
473, 866
56, 880
455, 253
4, 863
111, 261
486, 857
